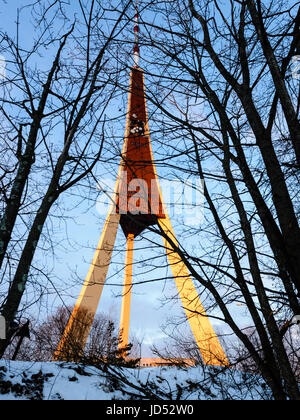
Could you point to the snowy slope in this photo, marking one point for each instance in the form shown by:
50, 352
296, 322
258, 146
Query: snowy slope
56, 381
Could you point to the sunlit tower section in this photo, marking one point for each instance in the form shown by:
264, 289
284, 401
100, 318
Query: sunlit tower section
137, 204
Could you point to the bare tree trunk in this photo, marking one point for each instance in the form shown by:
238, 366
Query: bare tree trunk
266, 309
76, 114
281, 198
26, 161
279, 83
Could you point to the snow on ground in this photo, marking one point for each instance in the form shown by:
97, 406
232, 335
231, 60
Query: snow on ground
62, 381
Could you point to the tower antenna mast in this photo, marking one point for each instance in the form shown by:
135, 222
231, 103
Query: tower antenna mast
136, 48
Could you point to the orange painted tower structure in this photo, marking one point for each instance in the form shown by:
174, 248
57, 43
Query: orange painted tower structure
137, 204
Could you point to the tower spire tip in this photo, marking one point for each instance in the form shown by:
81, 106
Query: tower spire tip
136, 48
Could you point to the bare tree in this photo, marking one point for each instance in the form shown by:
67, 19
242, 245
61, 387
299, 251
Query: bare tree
225, 109
57, 114
225, 116
45, 337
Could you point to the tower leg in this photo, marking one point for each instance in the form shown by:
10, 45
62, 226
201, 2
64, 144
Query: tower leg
78, 328
125, 310
206, 339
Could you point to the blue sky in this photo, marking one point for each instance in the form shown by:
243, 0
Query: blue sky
73, 258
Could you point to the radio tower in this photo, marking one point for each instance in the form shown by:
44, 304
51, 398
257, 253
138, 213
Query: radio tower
136, 168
